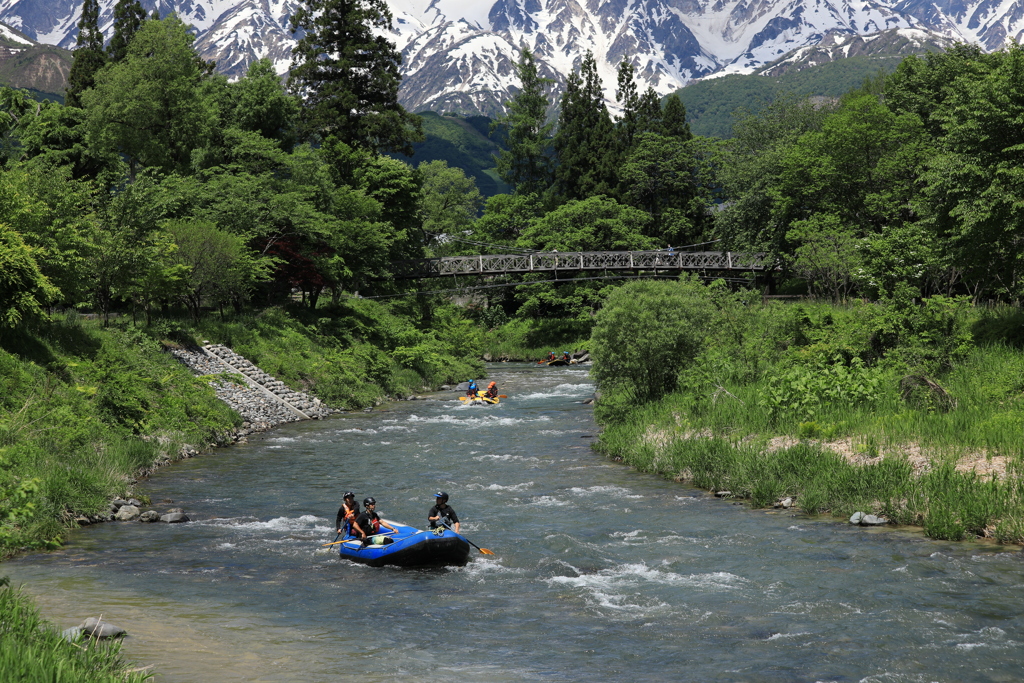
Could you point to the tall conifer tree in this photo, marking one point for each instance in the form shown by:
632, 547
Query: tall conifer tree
585, 138
89, 57
527, 164
674, 122
128, 18
347, 77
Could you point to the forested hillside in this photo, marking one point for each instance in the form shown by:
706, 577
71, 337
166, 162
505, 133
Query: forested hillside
713, 105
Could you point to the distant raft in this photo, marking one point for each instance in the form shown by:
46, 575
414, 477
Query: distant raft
409, 547
479, 400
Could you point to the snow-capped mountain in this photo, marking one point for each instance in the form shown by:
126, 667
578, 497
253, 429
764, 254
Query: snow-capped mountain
459, 54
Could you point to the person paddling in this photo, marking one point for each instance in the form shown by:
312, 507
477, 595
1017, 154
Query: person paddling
346, 514
492, 390
442, 514
472, 389
368, 524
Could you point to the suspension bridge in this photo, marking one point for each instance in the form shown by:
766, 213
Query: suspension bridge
705, 262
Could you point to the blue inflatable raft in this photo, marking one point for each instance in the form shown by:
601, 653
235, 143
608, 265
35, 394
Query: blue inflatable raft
409, 547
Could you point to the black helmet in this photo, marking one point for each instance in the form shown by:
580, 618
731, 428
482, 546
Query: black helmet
369, 501
441, 496
349, 494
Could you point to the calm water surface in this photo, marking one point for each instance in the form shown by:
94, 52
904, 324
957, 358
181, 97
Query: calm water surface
601, 573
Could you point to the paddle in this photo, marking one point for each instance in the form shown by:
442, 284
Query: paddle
485, 551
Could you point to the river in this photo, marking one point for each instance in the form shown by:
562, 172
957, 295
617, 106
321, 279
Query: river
600, 572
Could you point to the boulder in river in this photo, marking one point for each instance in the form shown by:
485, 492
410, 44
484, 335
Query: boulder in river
872, 520
856, 517
149, 516
174, 517
127, 513
723, 494
92, 627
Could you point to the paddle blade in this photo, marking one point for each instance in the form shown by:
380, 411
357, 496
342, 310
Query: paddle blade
502, 396
485, 551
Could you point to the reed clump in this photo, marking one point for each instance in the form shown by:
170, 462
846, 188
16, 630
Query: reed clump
915, 414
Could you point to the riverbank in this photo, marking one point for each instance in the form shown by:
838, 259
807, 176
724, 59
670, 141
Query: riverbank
530, 340
913, 415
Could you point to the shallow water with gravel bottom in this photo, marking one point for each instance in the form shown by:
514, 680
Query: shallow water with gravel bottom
601, 572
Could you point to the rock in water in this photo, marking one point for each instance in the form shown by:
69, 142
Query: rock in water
174, 517
71, 634
100, 629
149, 516
126, 513
856, 517
872, 520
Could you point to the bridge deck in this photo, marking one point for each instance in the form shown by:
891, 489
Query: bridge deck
499, 264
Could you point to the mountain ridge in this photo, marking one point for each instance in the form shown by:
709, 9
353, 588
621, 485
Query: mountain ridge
459, 55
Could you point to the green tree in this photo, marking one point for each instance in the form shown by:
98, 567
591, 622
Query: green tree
674, 123
585, 138
24, 290
526, 164
829, 256
661, 177
148, 106
594, 224
218, 265
448, 204
128, 19
646, 333
88, 56
749, 170
260, 104
973, 196
347, 76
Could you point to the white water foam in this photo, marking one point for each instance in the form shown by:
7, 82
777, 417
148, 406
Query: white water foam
507, 458
303, 523
483, 421
611, 491
499, 487
560, 391
548, 501
636, 575
355, 431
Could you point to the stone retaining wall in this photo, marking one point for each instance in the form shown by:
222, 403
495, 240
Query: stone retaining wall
263, 401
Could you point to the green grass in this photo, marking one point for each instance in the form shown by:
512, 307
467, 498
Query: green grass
33, 651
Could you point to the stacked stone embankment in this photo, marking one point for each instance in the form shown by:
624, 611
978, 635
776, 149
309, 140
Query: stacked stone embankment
263, 401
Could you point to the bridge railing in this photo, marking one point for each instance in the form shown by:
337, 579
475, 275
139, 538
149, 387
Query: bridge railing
496, 264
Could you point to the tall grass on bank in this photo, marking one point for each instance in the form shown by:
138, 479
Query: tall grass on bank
33, 651
949, 504
532, 339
